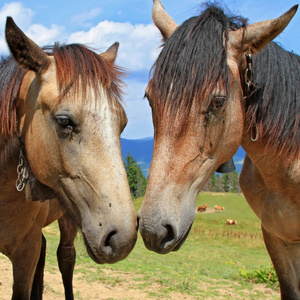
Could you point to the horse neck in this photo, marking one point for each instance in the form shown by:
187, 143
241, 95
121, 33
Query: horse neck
275, 169
10, 145
9, 153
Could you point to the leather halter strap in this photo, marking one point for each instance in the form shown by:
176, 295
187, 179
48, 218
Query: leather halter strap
249, 88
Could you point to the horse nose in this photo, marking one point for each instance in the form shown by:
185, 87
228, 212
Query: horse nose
115, 245
157, 236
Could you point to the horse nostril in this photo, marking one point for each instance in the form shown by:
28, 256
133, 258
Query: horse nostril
108, 240
108, 243
170, 236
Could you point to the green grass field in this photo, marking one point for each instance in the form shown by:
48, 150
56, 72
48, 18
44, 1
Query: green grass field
214, 255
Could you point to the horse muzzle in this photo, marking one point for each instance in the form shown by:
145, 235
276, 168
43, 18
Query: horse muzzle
164, 235
113, 244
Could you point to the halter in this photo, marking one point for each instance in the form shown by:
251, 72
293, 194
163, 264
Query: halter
22, 169
35, 190
248, 76
249, 89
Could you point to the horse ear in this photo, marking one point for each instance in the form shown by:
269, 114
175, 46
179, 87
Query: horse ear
111, 53
258, 35
27, 53
163, 20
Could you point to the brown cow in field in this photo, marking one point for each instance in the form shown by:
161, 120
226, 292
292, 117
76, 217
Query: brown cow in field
219, 208
202, 208
231, 222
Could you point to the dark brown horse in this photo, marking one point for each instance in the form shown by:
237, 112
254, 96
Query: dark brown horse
61, 117
211, 91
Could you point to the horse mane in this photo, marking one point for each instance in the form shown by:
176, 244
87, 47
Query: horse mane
192, 63
274, 107
77, 67
11, 76
194, 60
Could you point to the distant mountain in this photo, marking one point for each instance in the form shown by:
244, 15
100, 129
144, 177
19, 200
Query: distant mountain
141, 150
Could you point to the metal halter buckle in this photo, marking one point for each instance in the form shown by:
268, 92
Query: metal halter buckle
249, 89
248, 75
23, 172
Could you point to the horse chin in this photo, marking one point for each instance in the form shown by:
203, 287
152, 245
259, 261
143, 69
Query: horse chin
90, 252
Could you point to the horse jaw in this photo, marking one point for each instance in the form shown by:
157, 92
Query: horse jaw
168, 209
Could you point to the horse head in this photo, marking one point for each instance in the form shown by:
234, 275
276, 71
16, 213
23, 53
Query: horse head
198, 109
70, 118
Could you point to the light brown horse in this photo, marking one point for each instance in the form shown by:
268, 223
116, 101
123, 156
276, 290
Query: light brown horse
209, 94
61, 117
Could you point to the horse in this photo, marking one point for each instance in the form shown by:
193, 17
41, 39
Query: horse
61, 116
66, 254
219, 83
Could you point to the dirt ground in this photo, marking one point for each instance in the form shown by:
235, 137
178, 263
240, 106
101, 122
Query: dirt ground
97, 291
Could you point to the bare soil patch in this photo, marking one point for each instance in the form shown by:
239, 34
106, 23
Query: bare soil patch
96, 290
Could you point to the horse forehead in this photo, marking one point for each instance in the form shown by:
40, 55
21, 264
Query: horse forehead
233, 66
50, 74
294, 170
83, 97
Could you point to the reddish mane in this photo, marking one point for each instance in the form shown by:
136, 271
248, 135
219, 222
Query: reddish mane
77, 67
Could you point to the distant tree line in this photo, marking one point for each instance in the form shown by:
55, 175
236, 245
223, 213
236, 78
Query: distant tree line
136, 179
228, 182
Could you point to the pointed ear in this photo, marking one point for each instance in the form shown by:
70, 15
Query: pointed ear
163, 20
27, 53
258, 35
111, 53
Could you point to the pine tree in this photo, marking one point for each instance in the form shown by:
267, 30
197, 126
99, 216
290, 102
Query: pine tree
219, 183
234, 182
225, 182
136, 179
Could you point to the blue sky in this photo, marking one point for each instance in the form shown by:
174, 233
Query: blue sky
99, 23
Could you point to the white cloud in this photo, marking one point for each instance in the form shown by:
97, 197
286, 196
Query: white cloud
138, 43
239, 162
137, 52
138, 112
23, 18
44, 36
21, 15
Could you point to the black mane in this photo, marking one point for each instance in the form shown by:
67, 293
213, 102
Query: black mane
194, 60
275, 105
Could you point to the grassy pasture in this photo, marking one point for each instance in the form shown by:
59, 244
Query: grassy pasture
207, 266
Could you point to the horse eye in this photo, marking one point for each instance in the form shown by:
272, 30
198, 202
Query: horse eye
218, 101
64, 121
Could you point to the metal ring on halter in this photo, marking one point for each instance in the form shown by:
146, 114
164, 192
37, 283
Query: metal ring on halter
23, 173
251, 134
248, 75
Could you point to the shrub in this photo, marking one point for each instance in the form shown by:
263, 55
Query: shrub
264, 275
